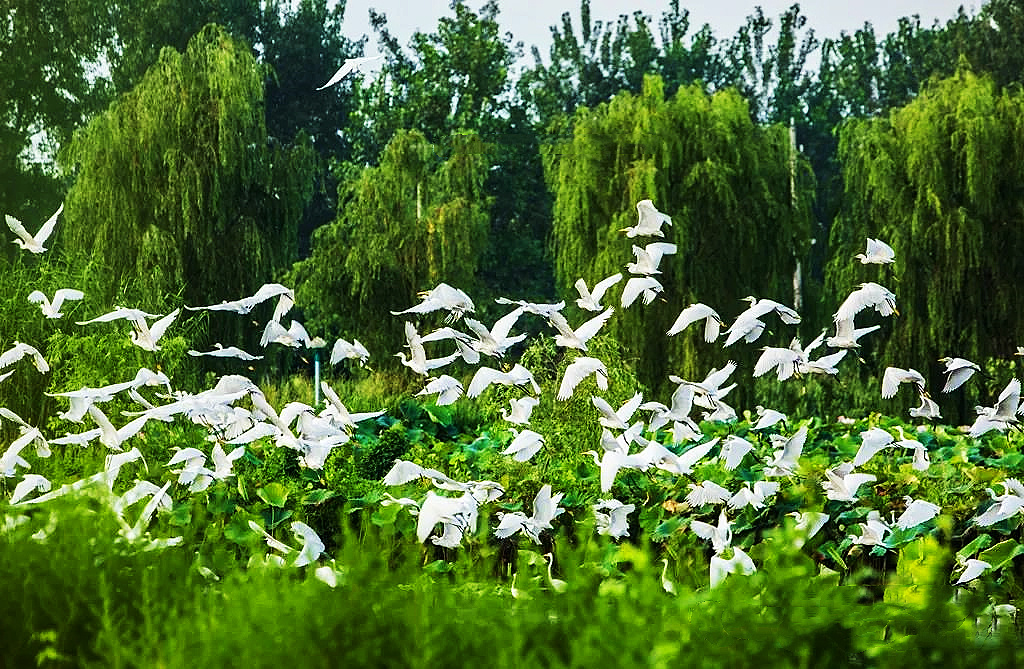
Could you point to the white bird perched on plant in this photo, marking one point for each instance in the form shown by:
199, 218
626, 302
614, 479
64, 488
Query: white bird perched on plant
442, 296
51, 308
878, 252
786, 458
495, 341
841, 482
867, 295
957, 371
220, 351
579, 369
30, 242
485, 376
918, 511
578, 338
649, 257
19, 351
591, 300
894, 376
647, 286
847, 335
447, 388
524, 445
612, 517
343, 350
545, 509
1001, 416
693, 313
522, 408
649, 221
285, 295
350, 65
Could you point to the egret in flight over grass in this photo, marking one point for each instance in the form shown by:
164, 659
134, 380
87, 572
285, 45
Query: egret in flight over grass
30, 242
51, 308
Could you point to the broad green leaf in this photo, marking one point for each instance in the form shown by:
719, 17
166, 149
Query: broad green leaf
273, 494
1002, 553
980, 543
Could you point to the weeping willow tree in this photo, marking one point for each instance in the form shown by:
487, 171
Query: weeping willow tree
942, 181
417, 219
738, 201
177, 195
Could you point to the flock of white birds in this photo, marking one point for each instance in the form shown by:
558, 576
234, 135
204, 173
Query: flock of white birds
236, 413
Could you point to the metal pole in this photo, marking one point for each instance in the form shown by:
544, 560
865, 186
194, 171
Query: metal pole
316, 378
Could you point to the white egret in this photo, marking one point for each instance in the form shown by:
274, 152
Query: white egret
872, 441
957, 371
749, 326
275, 333
558, 585
649, 221
120, 313
344, 350
485, 376
841, 482
847, 335
448, 389
51, 308
612, 517
442, 296
636, 286
869, 294
591, 300
649, 257
927, 409
755, 497
972, 569
612, 461
19, 351
350, 65
767, 418
706, 492
734, 448
285, 295
579, 369
678, 412
545, 509
30, 242
28, 484
872, 531
495, 341
456, 515
918, 511
578, 338
786, 458
721, 567
1001, 416
339, 413
617, 418
719, 535
878, 252
808, 523
666, 585
220, 351
522, 408
537, 309
312, 545
894, 376
708, 392
696, 312
418, 361
1007, 505
524, 445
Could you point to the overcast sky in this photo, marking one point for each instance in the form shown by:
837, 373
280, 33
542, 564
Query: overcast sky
529, 20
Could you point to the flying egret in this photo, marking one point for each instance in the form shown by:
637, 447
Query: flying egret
957, 371
767, 418
755, 497
447, 388
877, 252
350, 65
719, 535
522, 408
275, 333
871, 295
578, 338
872, 441
721, 567
591, 300
495, 341
847, 335
312, 545
647, 286
706, 492
418, 361
29, 483
524, 445
918, 511
51, 308
485, 376
442, 296
617, 418
545, 509
1001, 416
1007, 505
696, 312
19, 351
786, 458
344, 350
649, 221
220, 351
927, 409
285, 295
29, 242
972, 569
841, 482
872, 531
649, 257
894, 376
749, 326
808, 523
579, 369
734, 448
612, 517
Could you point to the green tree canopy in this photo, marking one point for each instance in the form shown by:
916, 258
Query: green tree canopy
941, 181
176, 189
725, 181
418, 219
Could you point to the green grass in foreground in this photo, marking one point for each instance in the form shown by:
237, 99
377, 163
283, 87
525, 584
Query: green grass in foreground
80, 597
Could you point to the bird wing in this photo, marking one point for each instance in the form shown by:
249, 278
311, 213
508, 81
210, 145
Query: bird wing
587, 331
634, 286
158, 328
783, 358
64, 294
602, 286
484, 377
503, 325
690, 315
891, 379
47, 229
18, 229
